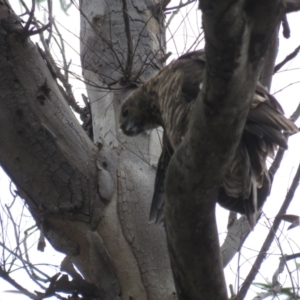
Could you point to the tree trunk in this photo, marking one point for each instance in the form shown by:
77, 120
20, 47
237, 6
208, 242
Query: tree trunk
121, 45
237, 38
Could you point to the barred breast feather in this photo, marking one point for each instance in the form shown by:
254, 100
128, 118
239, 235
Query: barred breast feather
167, 100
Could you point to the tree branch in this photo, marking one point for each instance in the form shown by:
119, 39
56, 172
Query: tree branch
292, 6
237, 234
266, 75
265, 247
10, 280
30, 18
129, 41
286, 27
48, 155
180, 5
287, 59
237, 39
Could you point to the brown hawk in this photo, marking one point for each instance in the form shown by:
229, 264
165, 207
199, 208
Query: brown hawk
166, 100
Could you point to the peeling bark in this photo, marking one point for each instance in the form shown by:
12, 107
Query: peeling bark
48, 155
110, 59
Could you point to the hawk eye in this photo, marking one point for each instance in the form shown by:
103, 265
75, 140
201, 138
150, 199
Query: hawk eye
125, 112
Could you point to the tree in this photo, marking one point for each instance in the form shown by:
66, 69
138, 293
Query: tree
91, 199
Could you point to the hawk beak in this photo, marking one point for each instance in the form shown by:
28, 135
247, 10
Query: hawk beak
129, 126
132, 128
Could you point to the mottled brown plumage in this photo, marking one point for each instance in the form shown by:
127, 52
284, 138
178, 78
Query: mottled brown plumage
166, 100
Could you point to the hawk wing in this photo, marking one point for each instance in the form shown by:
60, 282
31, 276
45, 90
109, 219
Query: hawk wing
157, 206
189, 92
247, 183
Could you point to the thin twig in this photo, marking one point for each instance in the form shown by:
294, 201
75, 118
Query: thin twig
287, 59
31, 16
61, 47
7, 278
50, 18
280, 153
67, 93
282, 263
37, 31
32, 20
174, 13
263, 251
164, 4
296, 114
286, 27
129, 41
180, 5
276, 286
31, 273
292, 6
28, 263
16, 232
197, 41
292, 256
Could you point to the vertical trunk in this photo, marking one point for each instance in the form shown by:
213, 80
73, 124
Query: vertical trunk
122, 43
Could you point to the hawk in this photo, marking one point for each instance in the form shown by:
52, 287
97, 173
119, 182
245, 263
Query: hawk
167, 99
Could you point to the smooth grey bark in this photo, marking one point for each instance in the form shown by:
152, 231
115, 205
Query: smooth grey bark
235, 237
106, 56
237, 37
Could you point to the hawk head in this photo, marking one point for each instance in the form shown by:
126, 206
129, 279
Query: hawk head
139, 113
